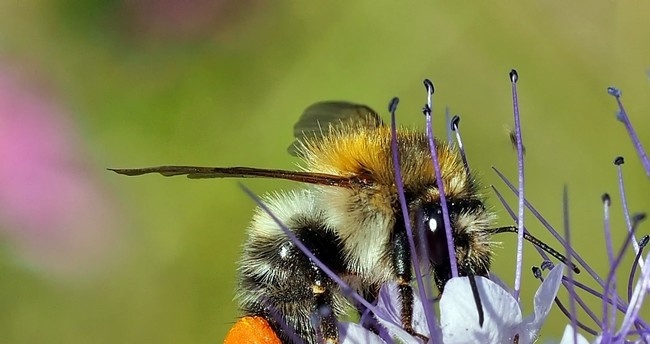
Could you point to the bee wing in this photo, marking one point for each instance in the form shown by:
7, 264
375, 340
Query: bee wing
319, 117
196, 172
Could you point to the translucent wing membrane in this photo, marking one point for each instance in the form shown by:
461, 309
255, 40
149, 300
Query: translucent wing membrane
316, 120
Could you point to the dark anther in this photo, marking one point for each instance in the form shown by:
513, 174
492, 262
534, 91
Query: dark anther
606, 199
636, 218
614, 91
547, 265
537, 272
454, 122
392, 106
429, 86
619, 160
514, 76
426, 110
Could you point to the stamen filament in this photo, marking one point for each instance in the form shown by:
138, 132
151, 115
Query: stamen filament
626, 213
621, 115
514, 77
441, 187
570, 288
553, 232
429, 313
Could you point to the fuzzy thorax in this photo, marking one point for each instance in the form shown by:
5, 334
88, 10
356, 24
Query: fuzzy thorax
364, 216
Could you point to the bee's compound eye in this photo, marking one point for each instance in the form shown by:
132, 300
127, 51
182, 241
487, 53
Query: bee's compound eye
435, 235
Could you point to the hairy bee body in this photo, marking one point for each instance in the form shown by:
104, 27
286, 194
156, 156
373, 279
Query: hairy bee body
349, 217
352, 230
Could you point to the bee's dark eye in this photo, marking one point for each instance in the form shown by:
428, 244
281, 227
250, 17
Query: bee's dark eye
435, 234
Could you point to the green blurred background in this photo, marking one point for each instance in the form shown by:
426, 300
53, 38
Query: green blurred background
142, 82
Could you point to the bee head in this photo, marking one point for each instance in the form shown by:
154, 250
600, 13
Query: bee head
468, 220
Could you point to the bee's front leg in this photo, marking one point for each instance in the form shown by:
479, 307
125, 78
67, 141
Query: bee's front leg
401, 253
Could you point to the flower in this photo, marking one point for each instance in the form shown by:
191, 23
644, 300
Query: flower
633, 328
503, 316
459, 323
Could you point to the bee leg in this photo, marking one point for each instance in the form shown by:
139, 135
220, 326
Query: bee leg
323, 307
402, 266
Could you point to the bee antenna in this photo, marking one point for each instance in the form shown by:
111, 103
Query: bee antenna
533, 240
477, 296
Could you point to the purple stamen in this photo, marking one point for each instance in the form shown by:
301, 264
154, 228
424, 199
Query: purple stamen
553, 232
575, 322
621, 188
642, 244
399, 182
607, 203
547, 264
610, 254
538, 274
621, 115
441, 187
630, 281
641, 290
455, 122
581, 303
514, 77
621, 306
514, 217
610, 279
570, 289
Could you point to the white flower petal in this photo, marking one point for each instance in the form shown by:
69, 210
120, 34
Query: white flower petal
389, 313
389, 303
352, 333
394, 328
459, 316
544, 299
567, 337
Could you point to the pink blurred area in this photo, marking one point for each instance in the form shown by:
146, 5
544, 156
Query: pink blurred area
54, 213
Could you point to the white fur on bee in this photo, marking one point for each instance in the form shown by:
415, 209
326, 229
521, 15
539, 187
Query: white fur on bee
364, 231
265, 230
284, 206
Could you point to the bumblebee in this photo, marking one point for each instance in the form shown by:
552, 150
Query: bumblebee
349, 217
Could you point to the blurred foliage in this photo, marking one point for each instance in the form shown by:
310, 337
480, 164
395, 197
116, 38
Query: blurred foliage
221, 83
